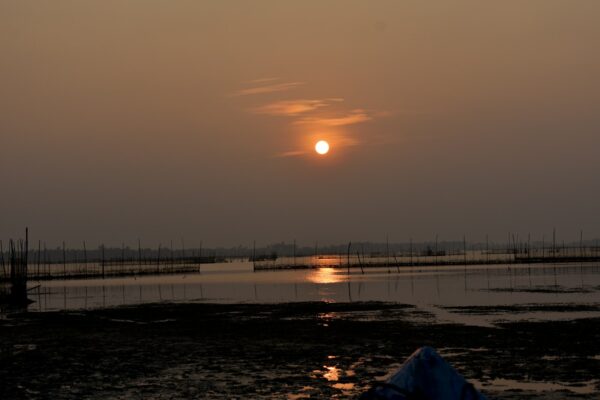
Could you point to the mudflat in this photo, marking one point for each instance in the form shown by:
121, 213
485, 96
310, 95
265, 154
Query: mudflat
292, 350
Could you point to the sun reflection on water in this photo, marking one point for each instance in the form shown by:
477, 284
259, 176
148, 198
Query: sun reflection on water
325, 275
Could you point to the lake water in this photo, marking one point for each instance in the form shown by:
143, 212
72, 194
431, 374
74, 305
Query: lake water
236, 282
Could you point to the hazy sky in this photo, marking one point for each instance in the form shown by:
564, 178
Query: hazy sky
197, 119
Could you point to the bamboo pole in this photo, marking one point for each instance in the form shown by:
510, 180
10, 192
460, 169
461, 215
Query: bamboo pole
85, 260
348, 265
64, 259
2, 260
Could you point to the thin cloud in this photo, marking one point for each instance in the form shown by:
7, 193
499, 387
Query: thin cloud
292, 108
276, 87
294, 153
354, 117
262, 80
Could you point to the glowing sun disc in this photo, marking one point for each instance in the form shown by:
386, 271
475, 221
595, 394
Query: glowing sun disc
322, 147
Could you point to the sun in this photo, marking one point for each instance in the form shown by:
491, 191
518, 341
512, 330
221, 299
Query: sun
322, 147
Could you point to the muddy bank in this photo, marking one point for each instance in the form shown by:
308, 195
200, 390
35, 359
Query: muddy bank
182, 351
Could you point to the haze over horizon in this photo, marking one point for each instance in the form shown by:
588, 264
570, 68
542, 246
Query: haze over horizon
163, 120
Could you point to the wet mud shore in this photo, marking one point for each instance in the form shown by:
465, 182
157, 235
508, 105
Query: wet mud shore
283, 351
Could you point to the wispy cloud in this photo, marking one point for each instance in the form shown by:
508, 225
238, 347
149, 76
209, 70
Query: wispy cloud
293, 153
276, 87
292, 108
353, 117
262, 80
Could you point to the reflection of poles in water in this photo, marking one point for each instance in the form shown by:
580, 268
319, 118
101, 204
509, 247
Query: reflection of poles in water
123, 293
64, 297
85, 297
349, 292
40, 298
103, 296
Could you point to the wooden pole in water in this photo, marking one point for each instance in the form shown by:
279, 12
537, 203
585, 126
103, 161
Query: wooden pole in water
254, 255
554, 242
360, 262
85, 260
26, 258
348, 265
543, 247
158, 260
122, 257
39, 256
387, 250
200, 258
46, 265
436, 250
411, 253
102, 262
64, 259
172, 257
465, 251
487, 249
140, 254
2, 260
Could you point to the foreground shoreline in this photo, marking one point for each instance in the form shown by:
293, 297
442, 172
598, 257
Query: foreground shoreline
290, 350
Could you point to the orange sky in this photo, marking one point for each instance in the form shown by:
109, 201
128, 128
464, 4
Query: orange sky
198, 119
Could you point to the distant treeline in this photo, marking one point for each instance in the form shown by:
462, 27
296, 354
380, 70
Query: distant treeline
283, 249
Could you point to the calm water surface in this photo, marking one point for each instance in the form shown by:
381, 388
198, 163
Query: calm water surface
426, 286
